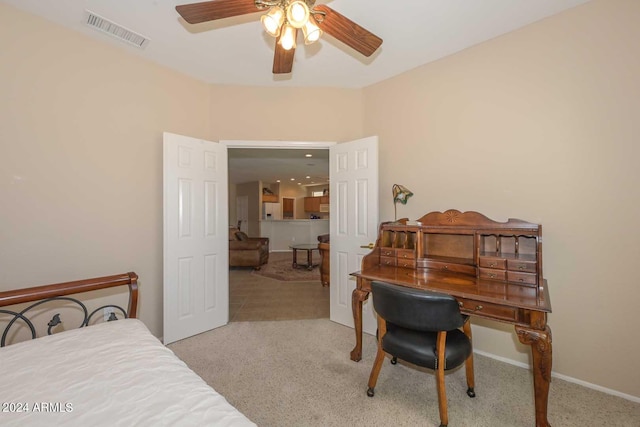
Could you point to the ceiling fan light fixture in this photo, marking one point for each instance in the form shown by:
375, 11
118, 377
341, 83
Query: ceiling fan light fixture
311, 32
297, 14
272, 21
288, 37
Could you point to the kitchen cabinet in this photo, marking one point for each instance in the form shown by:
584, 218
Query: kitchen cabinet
270, 198
312, 204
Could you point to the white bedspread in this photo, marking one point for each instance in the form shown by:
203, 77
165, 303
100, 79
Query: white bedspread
110, 374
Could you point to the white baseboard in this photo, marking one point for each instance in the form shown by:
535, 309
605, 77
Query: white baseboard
563, 377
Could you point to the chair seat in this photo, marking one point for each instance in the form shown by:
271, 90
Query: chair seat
419, 347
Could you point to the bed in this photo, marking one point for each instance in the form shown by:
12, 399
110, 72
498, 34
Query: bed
109, 373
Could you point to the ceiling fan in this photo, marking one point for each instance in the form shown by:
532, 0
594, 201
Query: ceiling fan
283, 20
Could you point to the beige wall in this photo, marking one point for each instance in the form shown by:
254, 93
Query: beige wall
540, 124
81, 127
297, 192
537, 124
285, 114
81, 157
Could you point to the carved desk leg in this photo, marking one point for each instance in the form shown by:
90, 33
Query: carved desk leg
357, 298
540, 342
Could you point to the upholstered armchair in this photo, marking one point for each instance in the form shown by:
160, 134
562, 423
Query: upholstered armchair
247, 251
325, 255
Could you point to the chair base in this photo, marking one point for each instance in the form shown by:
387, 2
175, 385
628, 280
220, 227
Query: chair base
370, 392
470, 392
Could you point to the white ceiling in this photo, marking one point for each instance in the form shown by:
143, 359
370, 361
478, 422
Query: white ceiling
286, 165
238, 51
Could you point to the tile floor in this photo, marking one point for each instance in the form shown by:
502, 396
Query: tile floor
253, 297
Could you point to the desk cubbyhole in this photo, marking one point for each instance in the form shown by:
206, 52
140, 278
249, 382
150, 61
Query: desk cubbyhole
388, 238
400, 239
514, 245
437, 245
410, 240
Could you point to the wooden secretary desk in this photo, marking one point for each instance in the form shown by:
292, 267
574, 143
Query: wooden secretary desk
493, 269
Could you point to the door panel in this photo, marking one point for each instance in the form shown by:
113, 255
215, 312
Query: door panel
354, 221
196, 257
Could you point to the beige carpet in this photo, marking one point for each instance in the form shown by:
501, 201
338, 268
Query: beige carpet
298, 373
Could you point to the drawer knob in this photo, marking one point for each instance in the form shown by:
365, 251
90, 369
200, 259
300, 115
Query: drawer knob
445, 267
493, 264
493, 275
521, 267
479, 307
521, 279
460, 304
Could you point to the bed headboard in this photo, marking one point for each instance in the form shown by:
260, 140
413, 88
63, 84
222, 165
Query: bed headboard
60, 292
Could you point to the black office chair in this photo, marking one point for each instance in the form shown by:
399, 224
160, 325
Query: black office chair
422, 328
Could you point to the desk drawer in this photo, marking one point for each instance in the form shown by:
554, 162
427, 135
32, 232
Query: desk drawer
523, 266
387, 252
452, 267
484, 309
406, 263
405, 254
489, 273
386, 260
489, 262
522, 278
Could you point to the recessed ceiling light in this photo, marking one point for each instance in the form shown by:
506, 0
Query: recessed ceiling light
308, 155
293, 179
277, 180
308, 177
299, 184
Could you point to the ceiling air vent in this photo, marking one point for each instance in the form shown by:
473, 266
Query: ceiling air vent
104, 25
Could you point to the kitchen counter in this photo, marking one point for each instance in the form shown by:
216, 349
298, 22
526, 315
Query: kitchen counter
283, 233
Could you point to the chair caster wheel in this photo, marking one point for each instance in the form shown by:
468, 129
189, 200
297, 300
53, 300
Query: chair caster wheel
370, 392
470, 392
394, 360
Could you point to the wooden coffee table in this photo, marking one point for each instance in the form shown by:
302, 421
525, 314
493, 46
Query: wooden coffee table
309, 248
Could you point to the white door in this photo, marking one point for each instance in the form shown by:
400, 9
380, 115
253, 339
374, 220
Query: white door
353, 173
196, 246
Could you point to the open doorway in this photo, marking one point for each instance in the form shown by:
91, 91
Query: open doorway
288, 174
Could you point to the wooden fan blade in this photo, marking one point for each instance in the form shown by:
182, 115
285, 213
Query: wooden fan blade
347, 31
283, 59
215, 9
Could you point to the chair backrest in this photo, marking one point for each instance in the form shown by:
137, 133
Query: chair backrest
416, 309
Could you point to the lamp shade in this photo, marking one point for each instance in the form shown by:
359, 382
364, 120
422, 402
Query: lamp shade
272, 21
401, 194
288, 37
311, 32
297, 14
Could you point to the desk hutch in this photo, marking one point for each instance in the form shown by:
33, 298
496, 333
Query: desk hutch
493, 269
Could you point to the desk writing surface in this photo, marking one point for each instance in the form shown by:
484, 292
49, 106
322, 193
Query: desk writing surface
464, 286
